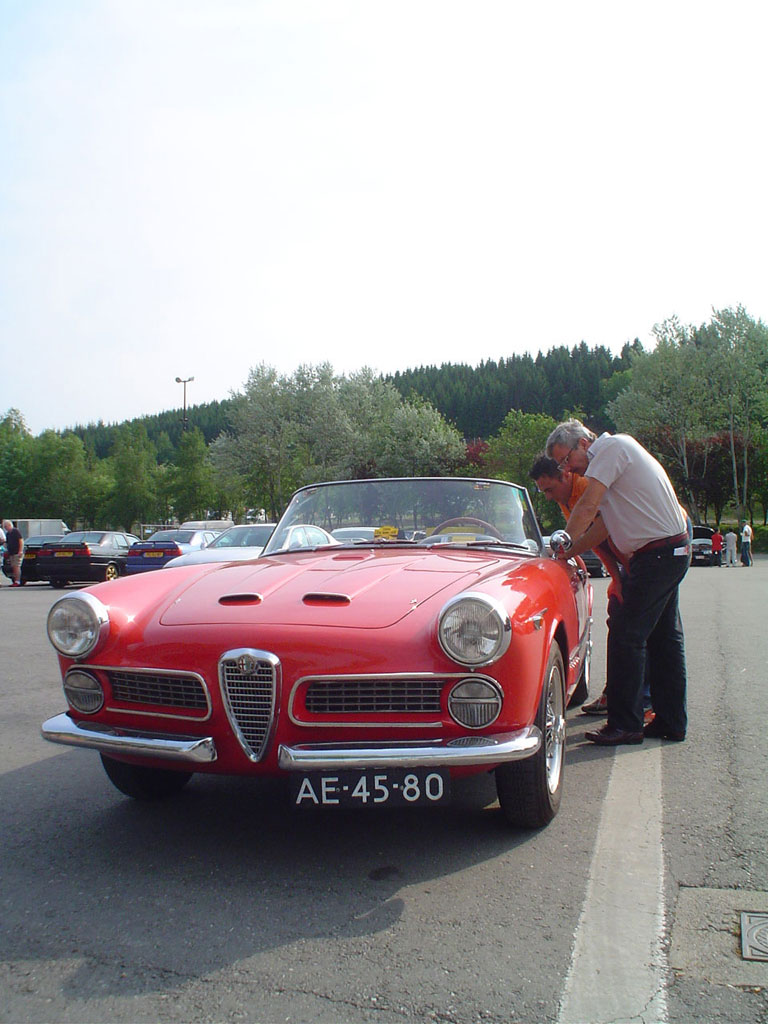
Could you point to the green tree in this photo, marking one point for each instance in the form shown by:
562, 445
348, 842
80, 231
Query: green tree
737, 347
418, 442
191, 484
369, 404
59, 469
133, 498
666, 405
17, 488
512, 452
324, 431
260, 444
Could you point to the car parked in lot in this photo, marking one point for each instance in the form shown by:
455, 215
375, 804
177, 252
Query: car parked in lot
352, 534
593, 565
163, 545
234, 545
84, 556
361, 676
701, 545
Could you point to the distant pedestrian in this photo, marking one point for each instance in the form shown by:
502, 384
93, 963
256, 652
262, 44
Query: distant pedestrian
14, 545
717, 547
730, 548
6, 563
746, 544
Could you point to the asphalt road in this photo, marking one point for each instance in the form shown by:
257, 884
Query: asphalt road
222, 905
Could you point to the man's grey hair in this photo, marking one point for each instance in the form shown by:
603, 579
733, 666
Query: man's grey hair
7, 524
569, 434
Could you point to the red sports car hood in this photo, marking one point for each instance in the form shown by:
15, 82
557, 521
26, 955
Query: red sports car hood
365, 589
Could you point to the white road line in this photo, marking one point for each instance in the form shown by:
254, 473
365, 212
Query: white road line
618, 965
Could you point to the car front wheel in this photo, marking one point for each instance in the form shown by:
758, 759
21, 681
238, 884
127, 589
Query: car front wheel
144, 783
111, 572
529, 791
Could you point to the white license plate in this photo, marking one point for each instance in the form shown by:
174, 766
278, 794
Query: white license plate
375, 787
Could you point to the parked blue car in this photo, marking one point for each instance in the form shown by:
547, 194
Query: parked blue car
164, 545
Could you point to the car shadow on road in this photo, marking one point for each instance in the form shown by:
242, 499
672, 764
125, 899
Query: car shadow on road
145, 896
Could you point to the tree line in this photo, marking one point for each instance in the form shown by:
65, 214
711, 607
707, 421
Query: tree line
698, 400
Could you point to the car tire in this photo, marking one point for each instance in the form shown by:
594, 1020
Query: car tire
58, 584
530, 791
144, 783
111, 571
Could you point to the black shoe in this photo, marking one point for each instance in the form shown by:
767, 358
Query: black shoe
610, 736
656, 730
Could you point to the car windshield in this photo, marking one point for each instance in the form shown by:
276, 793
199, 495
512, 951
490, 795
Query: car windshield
243, 537
180, 536
82, 538
458, 511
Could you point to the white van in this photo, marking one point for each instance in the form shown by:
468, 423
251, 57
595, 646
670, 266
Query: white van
207, 524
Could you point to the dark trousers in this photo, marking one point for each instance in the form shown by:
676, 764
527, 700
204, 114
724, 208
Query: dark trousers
645, 630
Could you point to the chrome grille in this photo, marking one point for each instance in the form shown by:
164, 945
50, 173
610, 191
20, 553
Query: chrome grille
355, 696
249, 683
158, 688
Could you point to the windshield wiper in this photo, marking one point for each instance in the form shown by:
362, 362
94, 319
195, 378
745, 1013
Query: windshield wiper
497, 543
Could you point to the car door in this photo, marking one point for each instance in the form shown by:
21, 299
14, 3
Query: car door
121, 547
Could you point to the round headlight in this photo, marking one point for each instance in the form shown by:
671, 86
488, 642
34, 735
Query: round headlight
475, 703
77, 624
83, 691
474, 629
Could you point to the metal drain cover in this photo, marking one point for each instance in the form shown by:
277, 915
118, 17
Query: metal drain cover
754, 936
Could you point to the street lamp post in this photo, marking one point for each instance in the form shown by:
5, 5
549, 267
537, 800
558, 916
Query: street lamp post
184, 381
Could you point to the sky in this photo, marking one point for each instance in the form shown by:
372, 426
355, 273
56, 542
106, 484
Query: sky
189, 188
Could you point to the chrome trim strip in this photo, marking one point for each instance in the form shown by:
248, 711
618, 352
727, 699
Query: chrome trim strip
156, 672
375, 722
188, 749
583, 647
468, 750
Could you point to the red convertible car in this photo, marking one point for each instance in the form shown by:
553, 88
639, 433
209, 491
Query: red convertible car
366, 673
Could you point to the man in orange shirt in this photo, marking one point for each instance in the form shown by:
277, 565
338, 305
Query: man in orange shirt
566, 488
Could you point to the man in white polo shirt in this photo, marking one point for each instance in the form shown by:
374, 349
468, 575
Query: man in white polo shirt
640, 511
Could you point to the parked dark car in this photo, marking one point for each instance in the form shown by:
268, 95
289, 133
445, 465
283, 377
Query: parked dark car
84, 556
163, 545
32, 547
701, 545
594, 566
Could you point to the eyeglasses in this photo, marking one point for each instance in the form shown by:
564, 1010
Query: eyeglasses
563, 463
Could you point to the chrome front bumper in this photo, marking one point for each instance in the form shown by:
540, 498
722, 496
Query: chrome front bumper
189, 749
469, 750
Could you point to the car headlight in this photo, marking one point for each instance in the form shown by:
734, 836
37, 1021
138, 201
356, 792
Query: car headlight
475, 703
83, 691
474, 629
77, 625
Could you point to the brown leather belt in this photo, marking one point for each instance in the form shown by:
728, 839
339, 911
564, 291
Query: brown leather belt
665, 542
